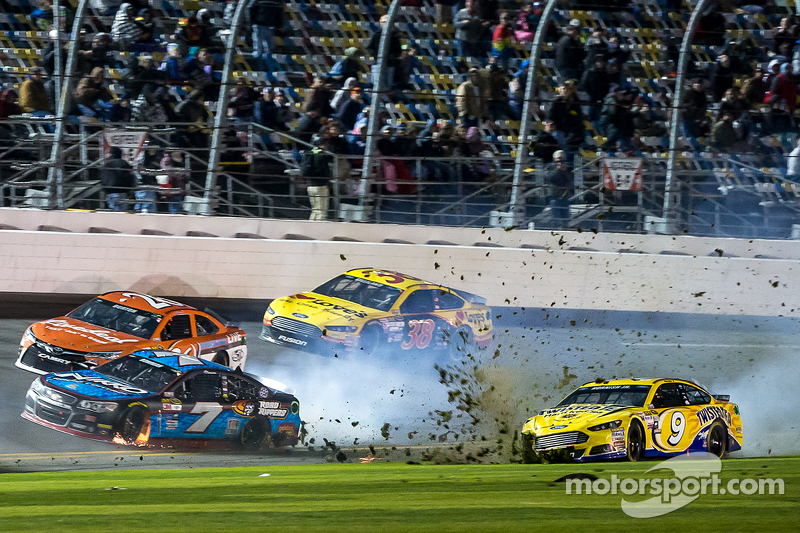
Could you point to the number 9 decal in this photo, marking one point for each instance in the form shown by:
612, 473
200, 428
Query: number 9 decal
677, 426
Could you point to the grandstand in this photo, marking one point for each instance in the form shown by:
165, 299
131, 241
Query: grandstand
742, 192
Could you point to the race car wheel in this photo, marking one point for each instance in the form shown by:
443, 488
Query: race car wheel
718, 439
635, 441
221, 359
528, 455
461, 344
368, 340
253, 435
131, 424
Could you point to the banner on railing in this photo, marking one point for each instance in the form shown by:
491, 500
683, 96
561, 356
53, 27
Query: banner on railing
622, 174
131, 143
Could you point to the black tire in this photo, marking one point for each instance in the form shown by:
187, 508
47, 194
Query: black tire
131, 424
717, 441
528, 455
253, 435
368, 340
636, 442
461, 344
221, 359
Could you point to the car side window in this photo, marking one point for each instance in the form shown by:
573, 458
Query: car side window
447, 300
239, 388
418, 302
668, 395
202, 388
204, 326
696, 396
179, 327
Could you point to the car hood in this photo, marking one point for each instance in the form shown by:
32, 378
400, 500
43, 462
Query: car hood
321, 310
95, 385
77, 335
573, 416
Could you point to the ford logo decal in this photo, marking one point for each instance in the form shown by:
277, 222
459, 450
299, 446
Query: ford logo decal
299, 315
557, 427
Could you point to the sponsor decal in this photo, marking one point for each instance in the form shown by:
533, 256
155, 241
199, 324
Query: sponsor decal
233, 427
617, 434
302, 297
706, 415
155, 303
264, 392
299, 315
292, 341
330, 306
171, 404
244, 408
210, 345
574, 410
100, 334
272, 409
562, 426
58, 360
104, 426
115, 386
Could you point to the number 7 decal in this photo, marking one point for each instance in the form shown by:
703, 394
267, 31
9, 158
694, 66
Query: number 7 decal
209, 411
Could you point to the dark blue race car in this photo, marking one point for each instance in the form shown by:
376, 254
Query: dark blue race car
152, 395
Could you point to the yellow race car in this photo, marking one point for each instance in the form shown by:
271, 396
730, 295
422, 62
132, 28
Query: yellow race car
366, 308
632, 419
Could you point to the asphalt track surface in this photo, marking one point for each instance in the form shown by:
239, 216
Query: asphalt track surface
391, 402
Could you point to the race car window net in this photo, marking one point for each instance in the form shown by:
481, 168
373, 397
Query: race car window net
360, 291
204, 326
630, 395
117, 317
141, 372
179, 327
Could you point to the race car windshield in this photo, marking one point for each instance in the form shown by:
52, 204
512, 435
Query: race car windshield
139, 371
630, 395
361, 291
117, 317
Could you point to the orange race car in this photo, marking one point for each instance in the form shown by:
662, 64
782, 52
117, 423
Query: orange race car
118, 323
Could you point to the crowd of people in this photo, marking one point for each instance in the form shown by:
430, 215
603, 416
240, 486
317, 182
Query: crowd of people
595, 106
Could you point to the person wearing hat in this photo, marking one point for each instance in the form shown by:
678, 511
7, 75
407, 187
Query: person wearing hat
316, 166
694, 106
124, 30
560, 184
616, 119
348, 66
569, 53
596, 82
349, 109
33, 95
472, 99
469, 31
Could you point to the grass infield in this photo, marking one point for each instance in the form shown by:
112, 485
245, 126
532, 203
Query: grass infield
378, 496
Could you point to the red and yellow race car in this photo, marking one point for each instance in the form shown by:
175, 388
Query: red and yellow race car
118, 323
365, 308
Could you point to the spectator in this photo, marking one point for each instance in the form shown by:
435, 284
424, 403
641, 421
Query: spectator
350, 109
99, 55
153, 106
785, 87
721, 77
595, 45
516, 88
569, 53
616, 119
337, 145
754, 88
616, 51
90, 92
120, 111
479, 169
173, 181
147, 27
471, 99
242, 102
124, 30
502, 41
444, 11
469, 31
496, 80
732, 103
393, 53
146, 195
648, 120
33, 94
8, 104
318, 98
694, 105
141, 71
192, 32
266, 17
527, 22
567, 114
347, 67
402, 74
545, 144
596, 84
105, 8
307, 126
393, 172
489, 13
193, 110
175, 65
200, 72
559, 179
316, 166
793, 164
723, 135
265, 112
778, 119
343, 93
117, 179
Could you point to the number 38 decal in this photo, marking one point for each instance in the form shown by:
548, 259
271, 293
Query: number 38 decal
420, 334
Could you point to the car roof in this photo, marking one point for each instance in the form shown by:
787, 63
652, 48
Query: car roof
381, 276
642, 381
145, 302
178, 361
